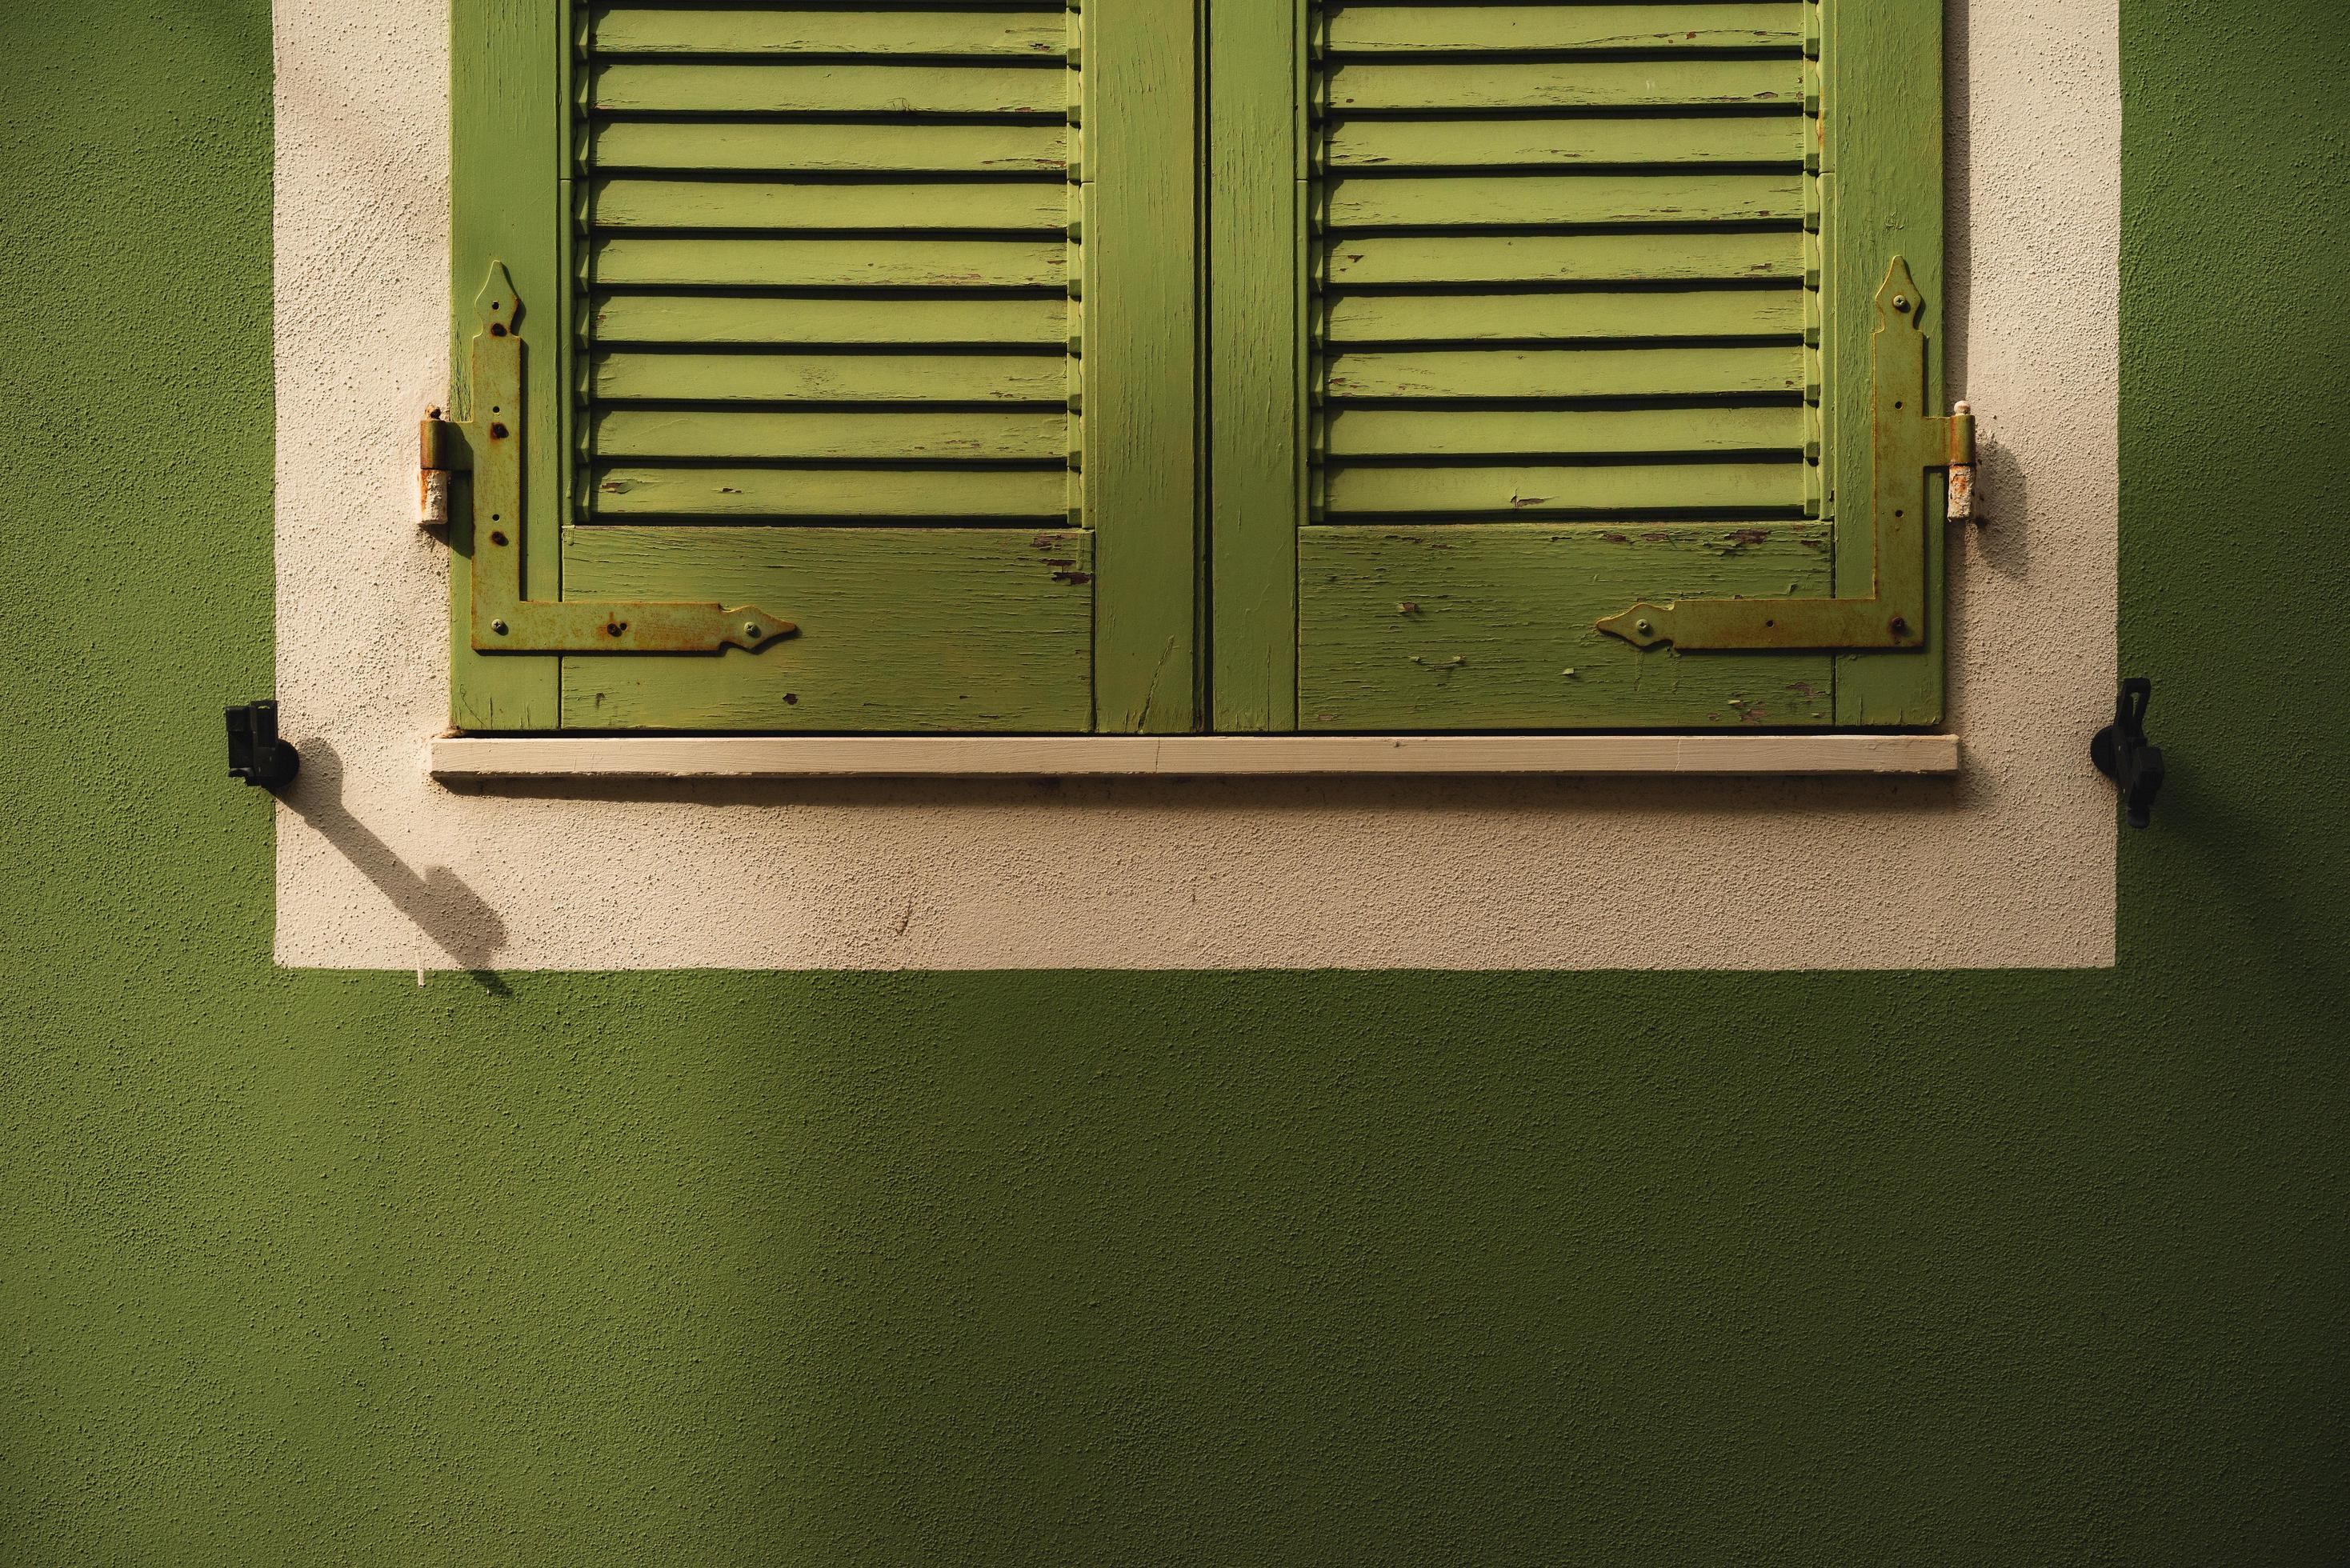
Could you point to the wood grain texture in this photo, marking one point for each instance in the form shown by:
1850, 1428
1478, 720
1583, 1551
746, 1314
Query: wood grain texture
1674, 372
844, 378
1517, 200
1535, 432
732, 262
509, 198
1776, 137
1141, 351
592, 757
626, 491
772, 147
1256, 250
1352, 88
725, 203
1590, 489
1366, 260
1764, 25
879, 320
626, 30
706, 87
1492, 627
1883, 103
900, 629
908, 435
1590, 316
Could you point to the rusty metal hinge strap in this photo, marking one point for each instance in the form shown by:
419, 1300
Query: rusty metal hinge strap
1909, 444
502, 619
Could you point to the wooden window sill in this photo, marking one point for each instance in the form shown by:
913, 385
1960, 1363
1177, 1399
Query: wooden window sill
455, 757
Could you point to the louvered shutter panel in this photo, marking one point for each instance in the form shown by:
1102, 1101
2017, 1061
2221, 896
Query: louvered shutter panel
802, 319
825, 364
1585, 327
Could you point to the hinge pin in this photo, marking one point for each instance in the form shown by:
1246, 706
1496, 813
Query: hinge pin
1962, 464
439, 457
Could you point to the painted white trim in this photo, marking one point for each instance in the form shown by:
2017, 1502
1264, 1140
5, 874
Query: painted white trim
1128, 756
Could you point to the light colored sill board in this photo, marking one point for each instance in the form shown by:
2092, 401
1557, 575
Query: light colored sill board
1049, 756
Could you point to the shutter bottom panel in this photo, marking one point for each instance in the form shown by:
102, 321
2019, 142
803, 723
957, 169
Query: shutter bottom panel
1492, 627
900, 629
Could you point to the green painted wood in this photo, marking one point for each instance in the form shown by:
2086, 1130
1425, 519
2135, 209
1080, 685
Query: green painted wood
944, 495
1142, 380
1375, 261
910, 378
634, 203
732, 262
1584, 315
1661, 369
882, 321
1462, 30
508, 203
900, 434
1581, 490
1516, 200
911, 629
749, 193
1883, 162
641, 30
1544, 432
1533, 143
1490, 627
723, 87
1562, 84
768, 147
1256, 250
1564, 372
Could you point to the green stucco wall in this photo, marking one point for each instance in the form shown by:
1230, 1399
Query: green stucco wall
299, 1267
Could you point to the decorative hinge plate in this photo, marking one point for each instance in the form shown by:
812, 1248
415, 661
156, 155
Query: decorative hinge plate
503, 621
1909, 444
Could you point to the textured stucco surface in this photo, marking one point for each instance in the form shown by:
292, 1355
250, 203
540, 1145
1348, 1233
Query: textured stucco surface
2009, 867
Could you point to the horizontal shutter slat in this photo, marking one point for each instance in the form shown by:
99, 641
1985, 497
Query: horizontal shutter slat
773, 147
1042, 320
1587, 84
1465, 29
729, 263
1516, 200
1374, 261
965, 493
1567, 373
914, 436
1584, 314
627, 204
705, 87
1359, 432
1483, 144
913, 378
632, 30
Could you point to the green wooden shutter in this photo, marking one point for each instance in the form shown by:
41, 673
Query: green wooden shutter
807, 292
1585, 322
